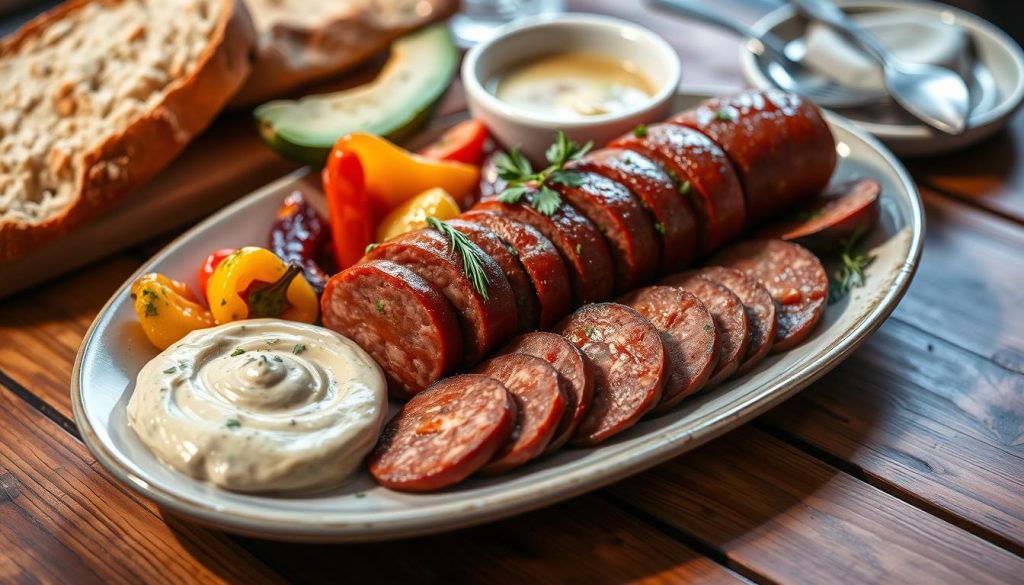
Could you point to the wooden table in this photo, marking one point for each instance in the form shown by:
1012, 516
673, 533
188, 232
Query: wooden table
906, 463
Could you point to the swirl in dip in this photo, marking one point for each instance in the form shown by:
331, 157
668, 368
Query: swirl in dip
261, 405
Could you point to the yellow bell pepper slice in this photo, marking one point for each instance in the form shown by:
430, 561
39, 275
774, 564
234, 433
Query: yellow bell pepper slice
253, 282
412, 215
166, 309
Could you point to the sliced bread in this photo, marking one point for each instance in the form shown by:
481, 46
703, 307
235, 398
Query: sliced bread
301, 41
100, 95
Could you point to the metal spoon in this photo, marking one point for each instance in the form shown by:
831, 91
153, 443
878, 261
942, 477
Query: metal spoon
785, 72
935, 95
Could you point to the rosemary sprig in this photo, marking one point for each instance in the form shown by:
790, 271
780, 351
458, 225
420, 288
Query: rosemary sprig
522, 181
470, 253
851, 270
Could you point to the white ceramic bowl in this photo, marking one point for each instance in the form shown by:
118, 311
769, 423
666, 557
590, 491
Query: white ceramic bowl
529, 39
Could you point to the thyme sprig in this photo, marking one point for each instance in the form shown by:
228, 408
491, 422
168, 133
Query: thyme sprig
515, 170
468, 251
851, 269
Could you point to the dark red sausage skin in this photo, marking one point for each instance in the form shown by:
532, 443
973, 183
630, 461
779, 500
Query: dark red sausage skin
779, 144
703, 174
506, 258
574, 376
444, 434
485, 322
626, 228
577, 240
792, 275
540, 260
540, 405
657, 194
730, 321
688, 333
759, 307
400, 319
629, 367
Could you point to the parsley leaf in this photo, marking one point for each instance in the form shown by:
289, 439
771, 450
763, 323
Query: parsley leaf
524, 182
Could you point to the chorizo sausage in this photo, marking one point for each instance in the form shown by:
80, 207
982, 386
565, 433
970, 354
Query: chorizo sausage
404, 322
654, 189
539, 258
703, 174
485, 322
792, 275
574, 376
759, 308
688, 333
629, 367
845, 210
540, 405
444, 434
779, 144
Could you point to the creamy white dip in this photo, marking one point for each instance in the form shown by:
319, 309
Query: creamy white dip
261, 405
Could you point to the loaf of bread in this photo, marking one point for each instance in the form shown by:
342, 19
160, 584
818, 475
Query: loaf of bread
301, 41
99, 95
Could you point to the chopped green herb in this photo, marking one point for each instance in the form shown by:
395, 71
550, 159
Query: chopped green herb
292, 422
379, 305
370, 248
171, 370
238, 351
588, 331
233, 423
725, 116
684, 188
272, 341
250, 360
471, 254
640, 131
708, 327
360, 494
151, 309
512, 250
277, 358
299, 348
659, 227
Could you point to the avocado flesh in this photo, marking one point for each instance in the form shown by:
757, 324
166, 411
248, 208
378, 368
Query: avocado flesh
393, 105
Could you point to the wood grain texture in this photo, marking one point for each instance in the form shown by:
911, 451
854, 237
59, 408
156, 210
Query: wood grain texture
786, 517
64, 519
582, 541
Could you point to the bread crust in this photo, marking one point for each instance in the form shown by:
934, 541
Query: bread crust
126, 160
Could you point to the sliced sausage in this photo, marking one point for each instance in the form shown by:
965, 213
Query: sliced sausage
539, 258
730, 321
792, 275
779, 144
846, 209
540, 405
688, 333
404, 322
758, 306
577, 240
627, 229
485, 322
703, 174
574, 376
506, 257
444, 434
654, 189
629, 367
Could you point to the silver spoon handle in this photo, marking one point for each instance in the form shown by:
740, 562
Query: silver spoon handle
826, 12
769, 44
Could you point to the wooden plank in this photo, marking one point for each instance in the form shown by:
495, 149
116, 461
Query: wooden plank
778, 513
582, 541
927, 421
64, 519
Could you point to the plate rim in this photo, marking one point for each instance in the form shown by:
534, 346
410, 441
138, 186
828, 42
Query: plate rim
497, 506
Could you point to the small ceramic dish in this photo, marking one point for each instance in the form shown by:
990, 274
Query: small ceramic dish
529, 39
996, 79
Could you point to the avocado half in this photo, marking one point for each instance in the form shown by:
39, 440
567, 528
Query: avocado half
395, 104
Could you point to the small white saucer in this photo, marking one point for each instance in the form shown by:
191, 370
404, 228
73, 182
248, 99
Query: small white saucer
996, 80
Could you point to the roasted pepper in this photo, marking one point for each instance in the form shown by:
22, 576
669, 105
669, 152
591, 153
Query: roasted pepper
166, 309
209, 265
412, 215
352, 217
463, 142
299, 234
253, 282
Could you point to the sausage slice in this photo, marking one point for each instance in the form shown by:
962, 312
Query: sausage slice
656, 193
574, 376
703, 174
759, 307
540, 405
846, 209
444, 434
688, 333
792, 275
540, 260
401, 320
627, 229
730, 321
629, 367
485, 322
779, 144
506, 257
577, 240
